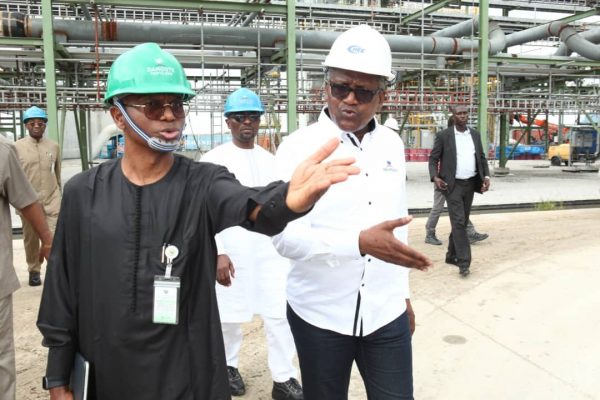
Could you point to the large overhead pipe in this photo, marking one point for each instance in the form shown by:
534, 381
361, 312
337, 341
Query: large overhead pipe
592, 36
569, 36
219, 35
12, 24
19, 25
497, 38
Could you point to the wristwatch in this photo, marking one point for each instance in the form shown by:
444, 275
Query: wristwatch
48, 384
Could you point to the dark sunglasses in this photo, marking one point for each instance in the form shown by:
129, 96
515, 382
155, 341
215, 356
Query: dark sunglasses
32, 123
241, 117
155, 109
363, 96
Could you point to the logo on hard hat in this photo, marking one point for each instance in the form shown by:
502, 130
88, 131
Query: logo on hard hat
158, 61
354, 49
160, 70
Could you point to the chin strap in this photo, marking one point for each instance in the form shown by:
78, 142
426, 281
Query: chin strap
153, 143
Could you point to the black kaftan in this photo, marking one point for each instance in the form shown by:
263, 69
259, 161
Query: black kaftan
98, 290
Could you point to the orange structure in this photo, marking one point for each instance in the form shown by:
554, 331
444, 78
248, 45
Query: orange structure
537, 135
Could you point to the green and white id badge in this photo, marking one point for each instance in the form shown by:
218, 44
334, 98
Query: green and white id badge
166, 300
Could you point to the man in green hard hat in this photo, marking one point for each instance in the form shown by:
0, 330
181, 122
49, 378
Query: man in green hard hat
131, 278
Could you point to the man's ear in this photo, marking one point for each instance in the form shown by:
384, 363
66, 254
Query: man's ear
381, 96
117, 116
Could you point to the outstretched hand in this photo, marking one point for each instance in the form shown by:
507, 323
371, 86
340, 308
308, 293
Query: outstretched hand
312, 177
380, 242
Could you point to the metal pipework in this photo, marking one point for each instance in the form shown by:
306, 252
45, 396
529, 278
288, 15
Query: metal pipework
593, 36
20, 25
12, 24
219, 35
569, 36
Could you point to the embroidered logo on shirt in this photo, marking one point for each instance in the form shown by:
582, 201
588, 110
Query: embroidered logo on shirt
389, 167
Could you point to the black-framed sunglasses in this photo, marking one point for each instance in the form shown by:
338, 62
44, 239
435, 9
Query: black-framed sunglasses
341, 91
243, 116
154, 109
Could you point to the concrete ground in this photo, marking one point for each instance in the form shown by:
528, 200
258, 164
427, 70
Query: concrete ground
528, 181
523, 325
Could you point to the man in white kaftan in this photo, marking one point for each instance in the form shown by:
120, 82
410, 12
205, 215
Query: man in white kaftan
251, 274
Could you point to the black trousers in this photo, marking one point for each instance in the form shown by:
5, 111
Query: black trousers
384, 359
459, 202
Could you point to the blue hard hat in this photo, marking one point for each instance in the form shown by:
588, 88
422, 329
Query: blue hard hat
243, 100
34, 112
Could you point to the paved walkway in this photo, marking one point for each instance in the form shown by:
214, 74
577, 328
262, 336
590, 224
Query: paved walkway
528, 181
523, 325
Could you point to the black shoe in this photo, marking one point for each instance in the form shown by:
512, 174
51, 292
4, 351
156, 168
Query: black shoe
34, 279
431, 239
236, 383
477, 237
288, 390
464, 271
452, 260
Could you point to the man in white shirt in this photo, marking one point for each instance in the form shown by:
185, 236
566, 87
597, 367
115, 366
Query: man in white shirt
250, 272
439, 200
348, 295
458, 168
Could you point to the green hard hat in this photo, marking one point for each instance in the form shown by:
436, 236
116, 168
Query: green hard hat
146, 69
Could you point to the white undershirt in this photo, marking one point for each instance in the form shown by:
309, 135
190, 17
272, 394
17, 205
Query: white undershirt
465, 154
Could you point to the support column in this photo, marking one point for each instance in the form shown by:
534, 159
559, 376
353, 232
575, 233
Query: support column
484, 45
81, 126
502, 170
49, 67
292, 94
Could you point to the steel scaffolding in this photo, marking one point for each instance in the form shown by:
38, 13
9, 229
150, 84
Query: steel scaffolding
223, 49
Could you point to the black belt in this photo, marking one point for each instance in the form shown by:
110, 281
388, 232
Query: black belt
467, 180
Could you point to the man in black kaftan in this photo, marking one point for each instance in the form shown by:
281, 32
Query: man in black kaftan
108, 250
109, 247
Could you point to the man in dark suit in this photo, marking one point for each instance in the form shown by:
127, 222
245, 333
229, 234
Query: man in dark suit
463, 170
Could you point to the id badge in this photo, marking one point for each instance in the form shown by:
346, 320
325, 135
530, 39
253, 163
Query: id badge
166, 300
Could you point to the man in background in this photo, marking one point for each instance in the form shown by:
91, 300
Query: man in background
251, 274
16, 191
436, 210
40, 159
458, 168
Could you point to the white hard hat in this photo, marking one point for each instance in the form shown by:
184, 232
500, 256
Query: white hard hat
361, 49
391, 123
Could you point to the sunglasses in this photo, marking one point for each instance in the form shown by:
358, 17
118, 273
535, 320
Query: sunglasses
34, 124
363, 96
241, 117
155, 109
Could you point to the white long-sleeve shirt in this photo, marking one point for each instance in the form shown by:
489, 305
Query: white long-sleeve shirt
331, 285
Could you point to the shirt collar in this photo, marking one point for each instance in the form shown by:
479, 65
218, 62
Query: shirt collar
466, 132
332, 127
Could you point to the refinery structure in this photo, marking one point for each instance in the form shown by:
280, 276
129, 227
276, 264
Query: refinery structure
511, 61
